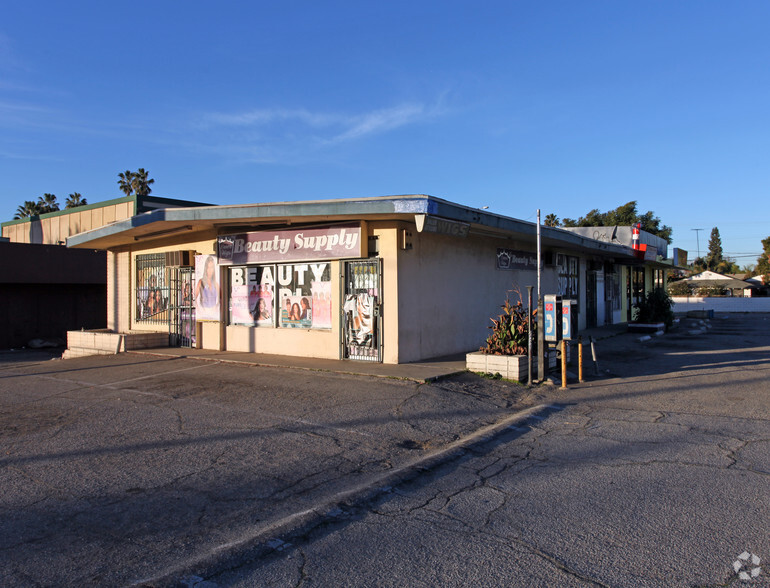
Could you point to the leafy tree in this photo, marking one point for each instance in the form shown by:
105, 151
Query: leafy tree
714, 256
728, 266
137, 182
551, 220
763, 261
74, 200
625, 215
47, 203
699, 265
29, 208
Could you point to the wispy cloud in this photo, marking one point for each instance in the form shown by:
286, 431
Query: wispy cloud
290, 135
382, 121
261, 117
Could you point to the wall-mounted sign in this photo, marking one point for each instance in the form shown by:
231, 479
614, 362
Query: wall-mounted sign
510, 259
442, 226
679, 256
336, 242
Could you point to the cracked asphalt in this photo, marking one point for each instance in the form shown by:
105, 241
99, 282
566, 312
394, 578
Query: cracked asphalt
130, 469
149, 471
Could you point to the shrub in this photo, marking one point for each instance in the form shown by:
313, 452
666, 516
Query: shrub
711, 291
510, 330
680, 288
656, 307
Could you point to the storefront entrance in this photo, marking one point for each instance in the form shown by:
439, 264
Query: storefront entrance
362, 316
181, 312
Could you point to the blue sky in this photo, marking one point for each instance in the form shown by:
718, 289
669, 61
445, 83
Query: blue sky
562, 106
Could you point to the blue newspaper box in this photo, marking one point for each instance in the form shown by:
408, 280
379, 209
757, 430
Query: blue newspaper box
568, 319
552, 317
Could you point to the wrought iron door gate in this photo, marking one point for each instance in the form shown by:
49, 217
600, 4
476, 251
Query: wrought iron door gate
181, 307
362, 316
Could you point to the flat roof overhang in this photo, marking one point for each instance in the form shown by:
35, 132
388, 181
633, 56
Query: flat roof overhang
220, 220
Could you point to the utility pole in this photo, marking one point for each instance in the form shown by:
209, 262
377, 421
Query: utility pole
540, 319
697, 240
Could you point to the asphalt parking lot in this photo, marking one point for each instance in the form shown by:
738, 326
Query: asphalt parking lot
122, 468
141, 469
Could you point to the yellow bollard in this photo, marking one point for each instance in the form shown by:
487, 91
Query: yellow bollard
580, 359
563, 364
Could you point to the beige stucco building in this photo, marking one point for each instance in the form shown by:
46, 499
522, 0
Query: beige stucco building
53, 228
394, 279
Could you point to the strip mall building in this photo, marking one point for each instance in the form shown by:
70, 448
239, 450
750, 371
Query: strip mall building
393, 279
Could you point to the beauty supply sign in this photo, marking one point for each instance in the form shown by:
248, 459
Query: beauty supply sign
335, 242
511, 259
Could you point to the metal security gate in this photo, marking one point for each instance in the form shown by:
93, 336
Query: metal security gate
362, 316
181, 307
591, 301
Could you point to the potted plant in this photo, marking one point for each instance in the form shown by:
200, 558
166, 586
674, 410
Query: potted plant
505, 351
653, 313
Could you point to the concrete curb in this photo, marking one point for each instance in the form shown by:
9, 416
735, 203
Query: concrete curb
265, 538
329, 370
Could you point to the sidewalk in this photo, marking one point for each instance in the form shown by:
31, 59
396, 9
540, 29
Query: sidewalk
423, 371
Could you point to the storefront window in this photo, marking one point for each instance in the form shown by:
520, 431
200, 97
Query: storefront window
252, 298
285, 295
568, 276
305, 295
659, 278
612, 290
152, 292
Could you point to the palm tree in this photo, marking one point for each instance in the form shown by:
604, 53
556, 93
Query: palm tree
135, 182
125, 181
551, 220
47, 203
74, 200
141, 184
29, 208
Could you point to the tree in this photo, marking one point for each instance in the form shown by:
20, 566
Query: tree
47, 203
136, 183
699, 265
728, 266
551, 220
125, 182
141, 183
625, 215
74, 200
714, 256
763, 262
29, 208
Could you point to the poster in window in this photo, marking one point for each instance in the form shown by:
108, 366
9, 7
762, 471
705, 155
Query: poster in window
359, 320
206, 291
251, 295
304, 292
150, 298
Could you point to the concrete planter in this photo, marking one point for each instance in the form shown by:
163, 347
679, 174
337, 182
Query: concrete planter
511, 367
106, 342
646, 327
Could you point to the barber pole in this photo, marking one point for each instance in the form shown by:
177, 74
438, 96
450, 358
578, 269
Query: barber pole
635, 236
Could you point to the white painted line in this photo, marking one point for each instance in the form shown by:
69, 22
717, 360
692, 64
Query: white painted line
116, 385
271, 529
